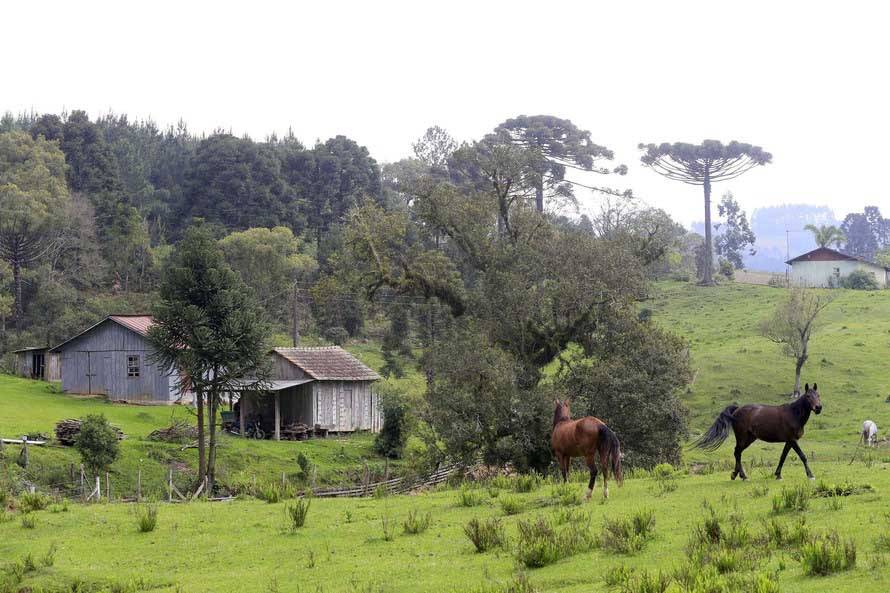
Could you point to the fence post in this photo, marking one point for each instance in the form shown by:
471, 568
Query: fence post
83, 492
139, 485
170, 487
24, 454
107, 487
98, 489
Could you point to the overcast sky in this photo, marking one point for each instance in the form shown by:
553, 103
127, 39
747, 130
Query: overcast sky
806, 81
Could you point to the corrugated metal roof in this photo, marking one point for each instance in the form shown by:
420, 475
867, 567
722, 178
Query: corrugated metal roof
137, 323
274, 384
329, 363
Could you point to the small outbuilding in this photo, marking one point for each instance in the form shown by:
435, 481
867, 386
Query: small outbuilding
824, 267
37, 363
115, 359
326, 387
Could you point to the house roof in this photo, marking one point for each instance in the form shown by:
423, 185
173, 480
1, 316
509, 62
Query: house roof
134, 323
828, 254
29, 349
329, 363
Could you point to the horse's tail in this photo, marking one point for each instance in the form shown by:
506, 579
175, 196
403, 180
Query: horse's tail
714, 437
610, 448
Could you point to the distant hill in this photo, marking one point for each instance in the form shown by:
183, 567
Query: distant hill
769, 226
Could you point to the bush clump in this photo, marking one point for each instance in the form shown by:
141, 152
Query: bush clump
468, 496
859, 280
486, 534
97, 443
33, 501
146, 517
416, 522
297, 512
540, 543
796, 498
827, 554
628, 535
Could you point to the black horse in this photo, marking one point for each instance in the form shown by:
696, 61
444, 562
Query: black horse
773, 424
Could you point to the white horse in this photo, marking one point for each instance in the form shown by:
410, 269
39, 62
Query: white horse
869, 434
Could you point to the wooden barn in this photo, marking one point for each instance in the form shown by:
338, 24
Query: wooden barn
326, 387
113, 358
38, 363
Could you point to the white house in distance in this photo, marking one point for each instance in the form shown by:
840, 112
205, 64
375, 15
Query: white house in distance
824, 267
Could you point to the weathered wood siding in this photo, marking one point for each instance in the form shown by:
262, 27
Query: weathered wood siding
96, 363
344, 406
285, 369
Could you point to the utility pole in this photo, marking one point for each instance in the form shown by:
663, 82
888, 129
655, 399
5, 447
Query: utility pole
296, 315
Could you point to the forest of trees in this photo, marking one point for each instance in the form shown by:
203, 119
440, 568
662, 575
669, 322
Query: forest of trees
465, 260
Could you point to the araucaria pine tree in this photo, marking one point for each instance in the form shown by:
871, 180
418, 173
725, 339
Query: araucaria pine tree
209, 327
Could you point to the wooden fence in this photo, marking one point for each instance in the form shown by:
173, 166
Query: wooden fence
393, 485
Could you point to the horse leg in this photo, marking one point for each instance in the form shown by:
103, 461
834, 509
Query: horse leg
604, 463
564, 462
591, 465
803, 458
740, 445
782, 460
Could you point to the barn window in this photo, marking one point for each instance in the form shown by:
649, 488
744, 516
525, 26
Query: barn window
133, 366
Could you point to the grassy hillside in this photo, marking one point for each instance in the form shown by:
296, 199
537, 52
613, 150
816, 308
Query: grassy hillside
848, 359
246, 546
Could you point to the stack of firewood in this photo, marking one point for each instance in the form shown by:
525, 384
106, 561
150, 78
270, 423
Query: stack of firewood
68, 430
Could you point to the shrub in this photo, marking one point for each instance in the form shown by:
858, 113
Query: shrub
33, 501
525, 483
628, 535
617, 575
827, 554
469, 497
389, 531
29, 521
540, 544
824, 489
390, 441
97, 443
859, 280
271, 493
337, 335
486, 534
647, 582
305, 464
146, 517
566, 494
796, 498
663, 474
49, 558
511, 505
297, 512
416, 522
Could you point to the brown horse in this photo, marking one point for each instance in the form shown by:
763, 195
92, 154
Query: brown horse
585, 437
773, 424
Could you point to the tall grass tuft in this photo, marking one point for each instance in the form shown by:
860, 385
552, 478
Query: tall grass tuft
469, 497
486, 534
297, 512
525, 483
416, 522
29, 521
796, 498
33, 501
566, 494
146, 517
540, 543
628, 535
511, 505
644, 581
827, 554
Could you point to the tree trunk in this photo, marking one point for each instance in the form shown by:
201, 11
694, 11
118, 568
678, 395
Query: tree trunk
202, 453
798, 367
211, 425
708, 278
19, 315
539, 195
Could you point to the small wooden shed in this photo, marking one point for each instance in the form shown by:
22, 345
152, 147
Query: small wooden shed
325, 386
115, 359
38, 362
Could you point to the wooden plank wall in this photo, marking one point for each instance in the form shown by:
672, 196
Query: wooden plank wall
97, 363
